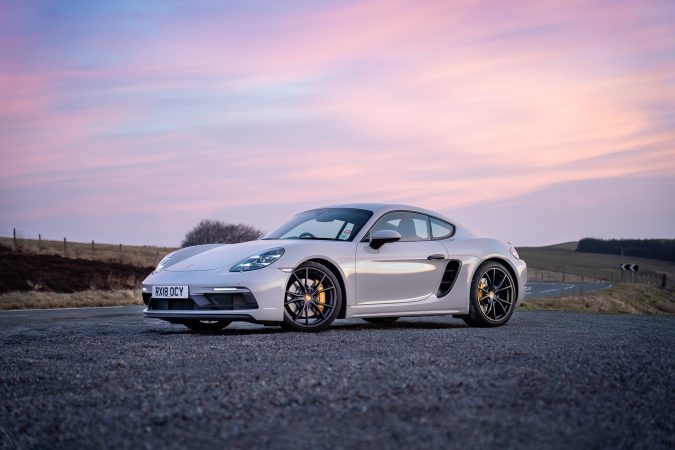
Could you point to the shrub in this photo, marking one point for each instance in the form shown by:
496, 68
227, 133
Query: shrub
217, 232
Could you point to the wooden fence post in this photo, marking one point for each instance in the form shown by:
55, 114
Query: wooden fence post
14, 238
64, 247
92, 246
39, 243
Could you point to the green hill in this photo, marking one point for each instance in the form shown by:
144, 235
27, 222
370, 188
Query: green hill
661, 249
551, 262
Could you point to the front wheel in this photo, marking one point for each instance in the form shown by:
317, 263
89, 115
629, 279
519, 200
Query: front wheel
313, 298
493, 296
206, 325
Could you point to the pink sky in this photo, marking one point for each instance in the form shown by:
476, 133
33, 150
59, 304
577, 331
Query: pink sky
534, 122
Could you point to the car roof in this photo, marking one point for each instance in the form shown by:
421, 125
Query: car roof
380, 208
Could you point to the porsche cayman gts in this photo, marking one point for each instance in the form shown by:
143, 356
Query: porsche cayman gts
375, 262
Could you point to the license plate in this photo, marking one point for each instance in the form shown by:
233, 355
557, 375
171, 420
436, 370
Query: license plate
170, 292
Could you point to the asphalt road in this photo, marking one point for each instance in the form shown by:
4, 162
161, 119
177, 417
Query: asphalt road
107, 378
543, 289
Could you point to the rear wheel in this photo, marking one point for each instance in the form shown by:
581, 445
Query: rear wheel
206, 325
493, 296
380, 320
313, 298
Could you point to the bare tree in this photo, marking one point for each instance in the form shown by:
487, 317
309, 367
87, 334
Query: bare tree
217, 232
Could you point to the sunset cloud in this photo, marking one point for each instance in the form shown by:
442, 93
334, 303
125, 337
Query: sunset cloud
178, 111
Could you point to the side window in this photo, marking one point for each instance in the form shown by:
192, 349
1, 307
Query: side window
440, 229
411, 226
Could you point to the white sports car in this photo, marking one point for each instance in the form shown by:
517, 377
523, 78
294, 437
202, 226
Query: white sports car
370, 261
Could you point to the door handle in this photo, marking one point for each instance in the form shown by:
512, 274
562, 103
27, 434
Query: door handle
436, 256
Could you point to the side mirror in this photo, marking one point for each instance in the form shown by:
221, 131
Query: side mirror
379, 238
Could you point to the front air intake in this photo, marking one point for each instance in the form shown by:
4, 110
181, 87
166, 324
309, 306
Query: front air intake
171, 304
234, 301
449, 277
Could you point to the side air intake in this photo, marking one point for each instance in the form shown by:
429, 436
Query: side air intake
449, 277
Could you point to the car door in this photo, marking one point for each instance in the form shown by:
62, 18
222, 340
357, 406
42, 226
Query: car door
405, 271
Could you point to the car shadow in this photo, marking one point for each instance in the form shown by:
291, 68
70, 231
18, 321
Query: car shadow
178, 330
401, 324
336, 327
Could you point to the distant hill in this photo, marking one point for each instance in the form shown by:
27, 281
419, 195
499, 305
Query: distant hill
663, 249
563, 258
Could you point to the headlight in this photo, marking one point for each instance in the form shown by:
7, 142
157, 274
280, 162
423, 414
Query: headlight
258, 261
514, 252
164, 262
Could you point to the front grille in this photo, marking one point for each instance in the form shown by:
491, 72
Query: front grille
233, 301
230, 301
449, 277
146, 297
171, 304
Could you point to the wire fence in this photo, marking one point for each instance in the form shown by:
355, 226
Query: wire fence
601, 275
143, 256
149, 256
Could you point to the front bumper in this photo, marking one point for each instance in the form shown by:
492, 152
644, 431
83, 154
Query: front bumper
219, 295
521, 270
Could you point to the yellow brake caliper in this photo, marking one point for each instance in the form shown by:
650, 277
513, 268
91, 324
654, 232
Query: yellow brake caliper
322, 297
481, 286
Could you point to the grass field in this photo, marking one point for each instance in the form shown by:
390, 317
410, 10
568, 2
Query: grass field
43, 300
138, 255
621, 298
551, 262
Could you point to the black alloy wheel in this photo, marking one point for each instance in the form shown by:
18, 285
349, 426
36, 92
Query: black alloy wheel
493, 296
313, 298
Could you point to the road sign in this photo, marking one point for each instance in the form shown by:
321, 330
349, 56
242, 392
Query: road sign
629, 267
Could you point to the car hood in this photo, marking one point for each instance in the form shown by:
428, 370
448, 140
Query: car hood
225, 256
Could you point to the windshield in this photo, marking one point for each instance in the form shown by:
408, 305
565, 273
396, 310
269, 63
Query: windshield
333, 224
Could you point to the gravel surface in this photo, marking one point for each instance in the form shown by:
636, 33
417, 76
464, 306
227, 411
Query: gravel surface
108, 378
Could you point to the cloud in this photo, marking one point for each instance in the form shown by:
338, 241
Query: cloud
197, 109
616, 207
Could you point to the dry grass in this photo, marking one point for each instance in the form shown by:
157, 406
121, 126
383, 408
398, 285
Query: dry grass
138, 255
621, 298
35, 299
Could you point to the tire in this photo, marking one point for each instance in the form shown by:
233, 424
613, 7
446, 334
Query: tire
380, 320
313, 298
206, 326
493, 296
470, 321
